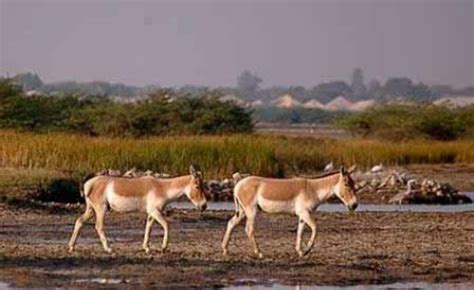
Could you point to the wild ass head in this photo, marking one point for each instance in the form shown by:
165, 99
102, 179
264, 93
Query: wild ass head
196, 189
346, 188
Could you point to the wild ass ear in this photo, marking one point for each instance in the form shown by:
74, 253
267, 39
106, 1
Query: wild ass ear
352, 169
343, 170
192, 170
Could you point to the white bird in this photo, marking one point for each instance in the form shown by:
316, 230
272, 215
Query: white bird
401, 197
410, 185
329, 167
377, 168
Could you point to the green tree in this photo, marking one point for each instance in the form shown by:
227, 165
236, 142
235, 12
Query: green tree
29, 81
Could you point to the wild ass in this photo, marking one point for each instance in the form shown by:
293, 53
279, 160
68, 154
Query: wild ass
147, 194
298, 195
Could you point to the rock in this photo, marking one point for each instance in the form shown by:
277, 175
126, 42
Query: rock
148, 173
408, 189
130, 173
112, 172
374, 183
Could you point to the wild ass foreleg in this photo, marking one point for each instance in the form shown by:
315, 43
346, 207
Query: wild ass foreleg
146, 239
158, 216
250, 230
299, 235
99, 226
233, 222
77, 227
306, 217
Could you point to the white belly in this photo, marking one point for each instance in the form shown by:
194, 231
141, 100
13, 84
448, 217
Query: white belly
275, 206
124, 204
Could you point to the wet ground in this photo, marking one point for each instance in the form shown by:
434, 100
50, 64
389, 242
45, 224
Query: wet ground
339, 207
351, 249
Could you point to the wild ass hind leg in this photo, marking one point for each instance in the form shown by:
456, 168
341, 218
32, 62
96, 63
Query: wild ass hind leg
306, 217
99, 226
250, 230
233, 222
299, 235
146, 239
158, 216
78, 225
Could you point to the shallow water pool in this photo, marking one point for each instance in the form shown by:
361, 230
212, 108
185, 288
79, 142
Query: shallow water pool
415, 285
331, 207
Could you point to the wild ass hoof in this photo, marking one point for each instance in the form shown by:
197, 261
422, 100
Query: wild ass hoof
300, 253
108, 250
71, 249
259, 255
224, 252
306, 252
146, 249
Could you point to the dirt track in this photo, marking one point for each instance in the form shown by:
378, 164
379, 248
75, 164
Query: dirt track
362, 248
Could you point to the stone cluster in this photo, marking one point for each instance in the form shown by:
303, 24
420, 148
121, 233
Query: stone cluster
408, 189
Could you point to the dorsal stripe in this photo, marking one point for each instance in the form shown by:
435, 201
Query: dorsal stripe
325, 174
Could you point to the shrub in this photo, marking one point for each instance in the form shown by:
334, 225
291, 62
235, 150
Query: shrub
164, 113
295, 115
402, 122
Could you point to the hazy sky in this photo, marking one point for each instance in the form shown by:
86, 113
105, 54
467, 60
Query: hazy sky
211, 42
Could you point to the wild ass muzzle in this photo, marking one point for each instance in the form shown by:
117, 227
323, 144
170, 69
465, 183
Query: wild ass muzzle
147, 194
298, 196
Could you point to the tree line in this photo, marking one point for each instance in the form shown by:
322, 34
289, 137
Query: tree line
403, 122
395, 88
162, 112
248, 87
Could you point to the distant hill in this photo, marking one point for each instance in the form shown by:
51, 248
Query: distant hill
339, 103
313, 104
286, 101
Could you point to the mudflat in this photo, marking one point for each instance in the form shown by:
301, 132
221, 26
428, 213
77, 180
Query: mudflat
350, 249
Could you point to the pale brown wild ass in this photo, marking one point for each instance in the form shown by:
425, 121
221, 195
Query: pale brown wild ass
297, 195
147, 194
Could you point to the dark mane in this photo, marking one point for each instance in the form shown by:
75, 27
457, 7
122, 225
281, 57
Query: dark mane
325, 174
321, 175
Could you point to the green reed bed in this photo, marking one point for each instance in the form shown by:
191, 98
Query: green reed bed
218, 156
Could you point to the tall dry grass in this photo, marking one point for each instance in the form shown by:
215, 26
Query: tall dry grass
218, 156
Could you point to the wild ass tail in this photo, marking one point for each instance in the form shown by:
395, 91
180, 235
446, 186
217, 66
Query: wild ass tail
236, 204
237, 176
